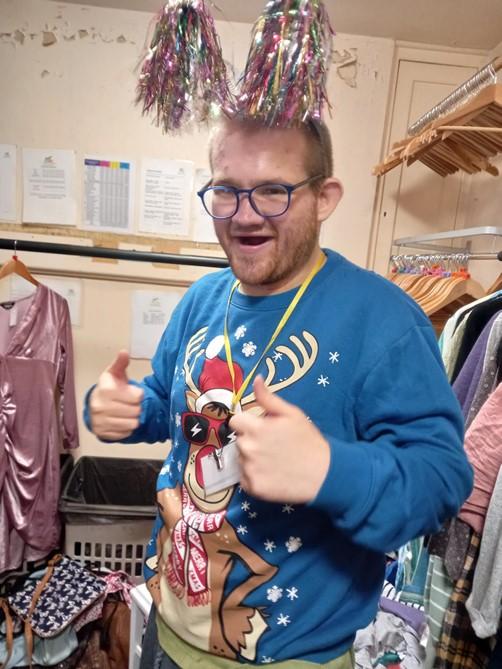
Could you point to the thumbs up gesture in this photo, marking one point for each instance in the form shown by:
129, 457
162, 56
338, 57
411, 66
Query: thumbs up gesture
283, 456
114, 405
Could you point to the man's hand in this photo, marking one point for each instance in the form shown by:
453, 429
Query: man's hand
114, 405
283, 456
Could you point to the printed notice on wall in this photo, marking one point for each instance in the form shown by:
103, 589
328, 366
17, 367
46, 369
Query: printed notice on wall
7, 182
151, 312
49, 187
108, 195
166, 191
202, 223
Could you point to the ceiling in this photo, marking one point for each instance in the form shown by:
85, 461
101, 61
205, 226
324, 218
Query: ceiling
473, 24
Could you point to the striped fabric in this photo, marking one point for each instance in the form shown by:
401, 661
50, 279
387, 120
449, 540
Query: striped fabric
438, 591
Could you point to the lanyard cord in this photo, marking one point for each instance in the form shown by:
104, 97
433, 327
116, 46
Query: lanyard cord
237, 394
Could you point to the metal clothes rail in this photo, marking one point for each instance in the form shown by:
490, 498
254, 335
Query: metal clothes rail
113, 254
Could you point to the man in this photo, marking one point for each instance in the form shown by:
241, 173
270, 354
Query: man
319, 383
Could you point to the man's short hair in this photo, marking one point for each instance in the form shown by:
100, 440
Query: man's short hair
319, 158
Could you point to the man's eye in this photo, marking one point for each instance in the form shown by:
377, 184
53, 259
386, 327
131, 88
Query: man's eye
270, 190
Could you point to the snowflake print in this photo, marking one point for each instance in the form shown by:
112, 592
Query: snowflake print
323, 381
245, 506
177, 419
242, 529
283, 620
274, 594
292, 593
293, 544
166, 469
287, 508
253, 514
267, 660
270, 545
180, 465
249, 348
240, 332
334, 357
277, 356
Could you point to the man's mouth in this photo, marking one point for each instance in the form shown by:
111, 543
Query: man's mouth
252, 241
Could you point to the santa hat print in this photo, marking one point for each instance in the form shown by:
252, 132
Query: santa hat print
215, 382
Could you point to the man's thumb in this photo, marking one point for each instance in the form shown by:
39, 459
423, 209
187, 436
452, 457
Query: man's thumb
273, 404
118, 368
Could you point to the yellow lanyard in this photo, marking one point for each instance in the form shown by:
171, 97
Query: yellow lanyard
237, 394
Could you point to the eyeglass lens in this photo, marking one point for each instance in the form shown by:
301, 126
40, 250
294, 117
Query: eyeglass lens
268, 200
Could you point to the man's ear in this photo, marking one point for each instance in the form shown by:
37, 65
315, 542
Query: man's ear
328, 198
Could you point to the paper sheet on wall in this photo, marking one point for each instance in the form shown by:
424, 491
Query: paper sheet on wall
151, 312
8, 155
202, 223
108, 194
70, 289
166, 189
49, 187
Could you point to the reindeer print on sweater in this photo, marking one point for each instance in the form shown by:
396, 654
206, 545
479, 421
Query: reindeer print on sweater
199, 545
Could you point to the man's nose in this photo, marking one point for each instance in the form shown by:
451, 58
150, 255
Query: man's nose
246, 214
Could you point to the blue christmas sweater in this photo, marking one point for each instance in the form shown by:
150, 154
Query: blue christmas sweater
259, 582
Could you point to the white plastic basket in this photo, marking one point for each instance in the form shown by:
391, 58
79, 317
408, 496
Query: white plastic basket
109, 542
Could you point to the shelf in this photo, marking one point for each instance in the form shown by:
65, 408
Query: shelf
429, 242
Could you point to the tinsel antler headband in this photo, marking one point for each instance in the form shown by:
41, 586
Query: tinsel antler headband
183, 76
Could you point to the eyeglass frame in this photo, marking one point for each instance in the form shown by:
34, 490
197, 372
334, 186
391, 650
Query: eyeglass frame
249, 192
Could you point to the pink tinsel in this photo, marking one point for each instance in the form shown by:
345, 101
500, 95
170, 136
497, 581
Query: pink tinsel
285, 78
183, 77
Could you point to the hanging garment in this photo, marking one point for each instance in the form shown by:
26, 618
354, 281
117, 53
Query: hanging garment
483, 445
477, 319
458, 646
469, 376
484, 603
491, 364
37, 416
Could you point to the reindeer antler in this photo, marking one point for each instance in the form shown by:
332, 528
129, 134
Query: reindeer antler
299, 368
194, 344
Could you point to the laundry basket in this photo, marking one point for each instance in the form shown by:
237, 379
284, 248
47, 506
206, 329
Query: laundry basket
108, 508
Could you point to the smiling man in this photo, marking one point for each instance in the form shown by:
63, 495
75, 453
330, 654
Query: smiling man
312, 426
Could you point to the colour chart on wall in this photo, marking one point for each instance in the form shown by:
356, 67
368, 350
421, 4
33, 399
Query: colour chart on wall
108, 194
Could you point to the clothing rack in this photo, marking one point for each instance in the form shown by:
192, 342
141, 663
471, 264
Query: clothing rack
112, 254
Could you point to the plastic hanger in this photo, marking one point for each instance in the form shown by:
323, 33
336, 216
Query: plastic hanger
16, 266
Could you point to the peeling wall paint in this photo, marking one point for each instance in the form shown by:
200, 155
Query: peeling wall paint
346, 65
61, 31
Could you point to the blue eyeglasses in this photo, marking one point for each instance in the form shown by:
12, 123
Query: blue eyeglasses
267, 200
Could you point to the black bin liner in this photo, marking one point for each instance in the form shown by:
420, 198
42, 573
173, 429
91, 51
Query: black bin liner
65, 467
111, 486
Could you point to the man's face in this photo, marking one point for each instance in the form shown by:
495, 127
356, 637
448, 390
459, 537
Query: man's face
267, 254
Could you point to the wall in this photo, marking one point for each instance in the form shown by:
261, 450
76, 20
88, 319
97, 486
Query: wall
483, 208
67, 81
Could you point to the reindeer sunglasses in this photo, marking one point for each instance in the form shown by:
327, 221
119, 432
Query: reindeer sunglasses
197, 428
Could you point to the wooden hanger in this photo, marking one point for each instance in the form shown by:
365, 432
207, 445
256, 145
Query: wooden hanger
495, 286
465, 139
16, 266
457, 289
